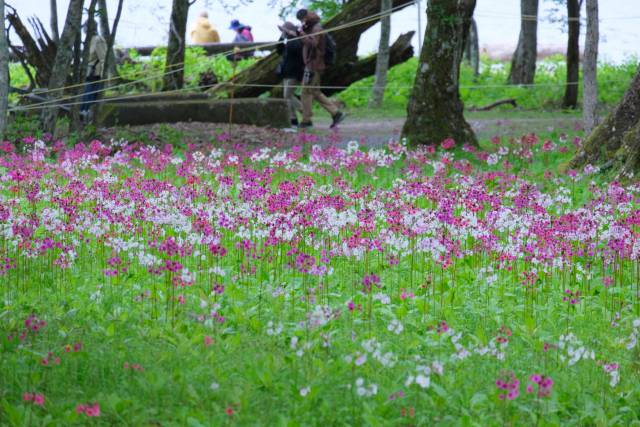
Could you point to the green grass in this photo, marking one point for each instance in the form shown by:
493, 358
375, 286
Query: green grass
491, 85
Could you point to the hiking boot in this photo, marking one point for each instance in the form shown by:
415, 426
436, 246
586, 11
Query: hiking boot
337, 119
305, 125
294, 123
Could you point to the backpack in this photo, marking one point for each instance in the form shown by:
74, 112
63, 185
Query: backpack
330, 49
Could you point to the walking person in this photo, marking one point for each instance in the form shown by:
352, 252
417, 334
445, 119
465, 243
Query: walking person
313, 53
291, 69
93, 85
203, 31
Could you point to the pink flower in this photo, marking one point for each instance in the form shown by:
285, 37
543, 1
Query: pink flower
448, 143
27, 397
80, 408
93, 411
208, 340
38, 399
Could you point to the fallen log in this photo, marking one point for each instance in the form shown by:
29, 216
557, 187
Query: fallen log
493, 105
209, 48
262, 74
159, 109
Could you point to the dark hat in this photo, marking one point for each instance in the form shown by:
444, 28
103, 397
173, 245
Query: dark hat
289, 28
236, 25
301, 14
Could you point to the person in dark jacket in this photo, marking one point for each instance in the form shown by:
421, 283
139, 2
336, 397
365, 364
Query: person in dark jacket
291, 68
313, 52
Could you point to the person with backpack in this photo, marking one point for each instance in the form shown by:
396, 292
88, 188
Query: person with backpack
291, 69
318, 49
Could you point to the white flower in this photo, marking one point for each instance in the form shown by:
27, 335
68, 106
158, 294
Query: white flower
423, 380
305, 391
361, 360
214, 386
395, 326
271, 330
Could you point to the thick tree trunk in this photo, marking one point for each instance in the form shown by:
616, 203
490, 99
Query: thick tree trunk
472, 50
573, 55
62, 62
604, 144
261, 77
174, 64
4, 74
590, 68
55, 32
106, 32
435, 110
382, 63
523, 64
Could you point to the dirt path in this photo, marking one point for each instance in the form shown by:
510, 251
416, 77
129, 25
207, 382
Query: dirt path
370, 132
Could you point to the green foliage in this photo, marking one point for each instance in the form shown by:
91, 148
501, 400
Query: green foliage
151, 69
491, 85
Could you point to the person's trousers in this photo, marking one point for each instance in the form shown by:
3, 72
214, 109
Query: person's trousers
290, 95
91, 89
312, 91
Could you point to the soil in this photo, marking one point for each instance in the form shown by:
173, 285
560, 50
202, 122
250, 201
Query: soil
369, 132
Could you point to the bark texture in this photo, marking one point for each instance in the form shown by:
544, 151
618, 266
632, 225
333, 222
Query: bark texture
4, 74
174, 65
573, 55
615, 143
472, 50
55, 32
263, 74
523, 64
63, 61
590, 68
435, 110
106, 31
382, 63
38, 53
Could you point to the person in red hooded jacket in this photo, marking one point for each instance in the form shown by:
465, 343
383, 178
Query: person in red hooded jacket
313, 52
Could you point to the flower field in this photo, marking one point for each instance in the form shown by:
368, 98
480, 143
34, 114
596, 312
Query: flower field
316, 285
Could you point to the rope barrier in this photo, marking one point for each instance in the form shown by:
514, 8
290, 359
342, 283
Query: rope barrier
364, 87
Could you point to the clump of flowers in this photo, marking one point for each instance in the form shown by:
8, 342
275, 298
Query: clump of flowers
508, 385
88, 409
35, 398
543, 384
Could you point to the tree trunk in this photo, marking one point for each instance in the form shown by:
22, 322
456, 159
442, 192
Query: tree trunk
590, 68
573, 55
472, 50
62, 63
106, 32
4, 74
382, 62
261, 77
435, 110
605, 144
81, 76
55, 32
40, 55
523, 64
174, 64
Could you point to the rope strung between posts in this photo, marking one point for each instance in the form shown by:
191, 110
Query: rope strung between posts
366, 87
181, 65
